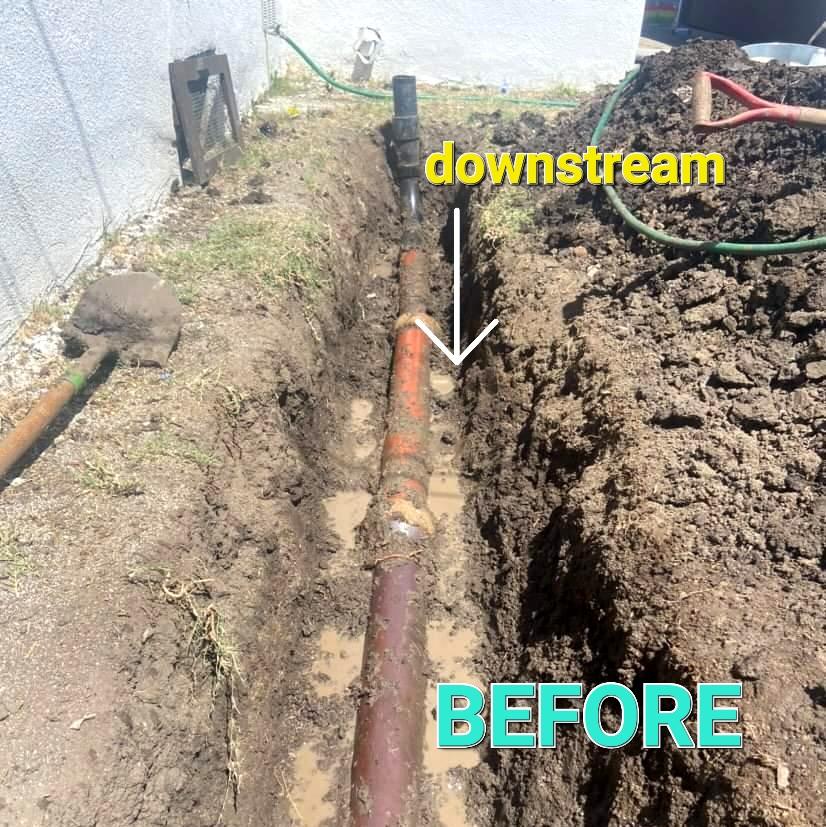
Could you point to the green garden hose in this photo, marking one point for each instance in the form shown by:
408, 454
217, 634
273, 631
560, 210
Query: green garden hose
375, 94
731, 248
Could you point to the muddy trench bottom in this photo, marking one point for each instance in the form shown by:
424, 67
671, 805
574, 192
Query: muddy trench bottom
319, 773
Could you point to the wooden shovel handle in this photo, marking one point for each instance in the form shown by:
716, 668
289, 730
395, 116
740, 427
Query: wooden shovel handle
757, 109
701, 99
815, 118
21, 438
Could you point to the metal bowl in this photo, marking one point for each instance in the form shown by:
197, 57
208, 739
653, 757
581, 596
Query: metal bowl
793, 54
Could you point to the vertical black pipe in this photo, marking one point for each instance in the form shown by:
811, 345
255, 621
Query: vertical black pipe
405, 132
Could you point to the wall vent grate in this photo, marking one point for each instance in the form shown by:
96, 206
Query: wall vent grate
207, 124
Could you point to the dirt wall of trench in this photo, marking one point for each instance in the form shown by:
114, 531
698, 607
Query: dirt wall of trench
646, 434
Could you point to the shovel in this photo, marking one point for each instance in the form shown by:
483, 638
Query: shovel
134, 316
757, 108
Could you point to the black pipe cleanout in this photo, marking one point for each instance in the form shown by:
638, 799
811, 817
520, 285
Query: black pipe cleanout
405, 132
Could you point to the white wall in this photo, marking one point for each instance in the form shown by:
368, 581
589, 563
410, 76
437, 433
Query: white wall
85, 122
528, 43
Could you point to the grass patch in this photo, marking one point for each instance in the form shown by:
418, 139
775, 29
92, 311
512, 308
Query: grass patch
98, 476
232, 401
452, 104
285, 85
305, 154
187, 294
46, 313
506, 215
15, 564
270, 250
260, 152
41, 317
174, 447
213, 653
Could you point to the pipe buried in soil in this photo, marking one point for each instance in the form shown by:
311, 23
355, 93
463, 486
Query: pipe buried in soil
387, 754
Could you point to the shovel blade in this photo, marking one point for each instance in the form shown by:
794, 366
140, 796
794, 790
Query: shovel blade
135, 315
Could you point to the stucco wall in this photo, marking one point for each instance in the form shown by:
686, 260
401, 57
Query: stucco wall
529, 43
86, 135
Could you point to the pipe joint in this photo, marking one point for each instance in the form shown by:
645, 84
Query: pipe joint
409, 320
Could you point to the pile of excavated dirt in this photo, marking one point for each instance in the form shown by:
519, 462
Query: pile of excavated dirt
647, 433
775, 177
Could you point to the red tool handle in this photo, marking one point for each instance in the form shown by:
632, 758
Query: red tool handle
758, 108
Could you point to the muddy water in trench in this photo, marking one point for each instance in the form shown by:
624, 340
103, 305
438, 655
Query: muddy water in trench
320, 771
451, 641
345, 511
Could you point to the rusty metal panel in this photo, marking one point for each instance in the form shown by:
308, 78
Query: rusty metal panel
755, 21
207, 124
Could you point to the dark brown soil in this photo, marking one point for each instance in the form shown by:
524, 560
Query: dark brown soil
647, 432
774, 183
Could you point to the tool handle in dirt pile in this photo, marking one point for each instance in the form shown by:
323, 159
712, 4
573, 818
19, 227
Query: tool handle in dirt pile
701, 99
811, 117
16, 443
758, 109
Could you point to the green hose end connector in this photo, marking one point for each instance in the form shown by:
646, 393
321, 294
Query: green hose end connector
76, 379
721, 248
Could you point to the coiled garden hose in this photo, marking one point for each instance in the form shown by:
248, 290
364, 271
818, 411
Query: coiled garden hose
731, 248
377, 94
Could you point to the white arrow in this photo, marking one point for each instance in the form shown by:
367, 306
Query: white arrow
457, 356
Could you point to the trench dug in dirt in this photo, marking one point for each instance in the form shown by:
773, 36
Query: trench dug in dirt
628, 475
628, 479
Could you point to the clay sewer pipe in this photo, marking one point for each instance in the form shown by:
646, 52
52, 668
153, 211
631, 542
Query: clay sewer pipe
387, 754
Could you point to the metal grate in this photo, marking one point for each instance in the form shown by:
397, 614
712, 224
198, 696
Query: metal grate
210, 112
207, 125
271, 14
